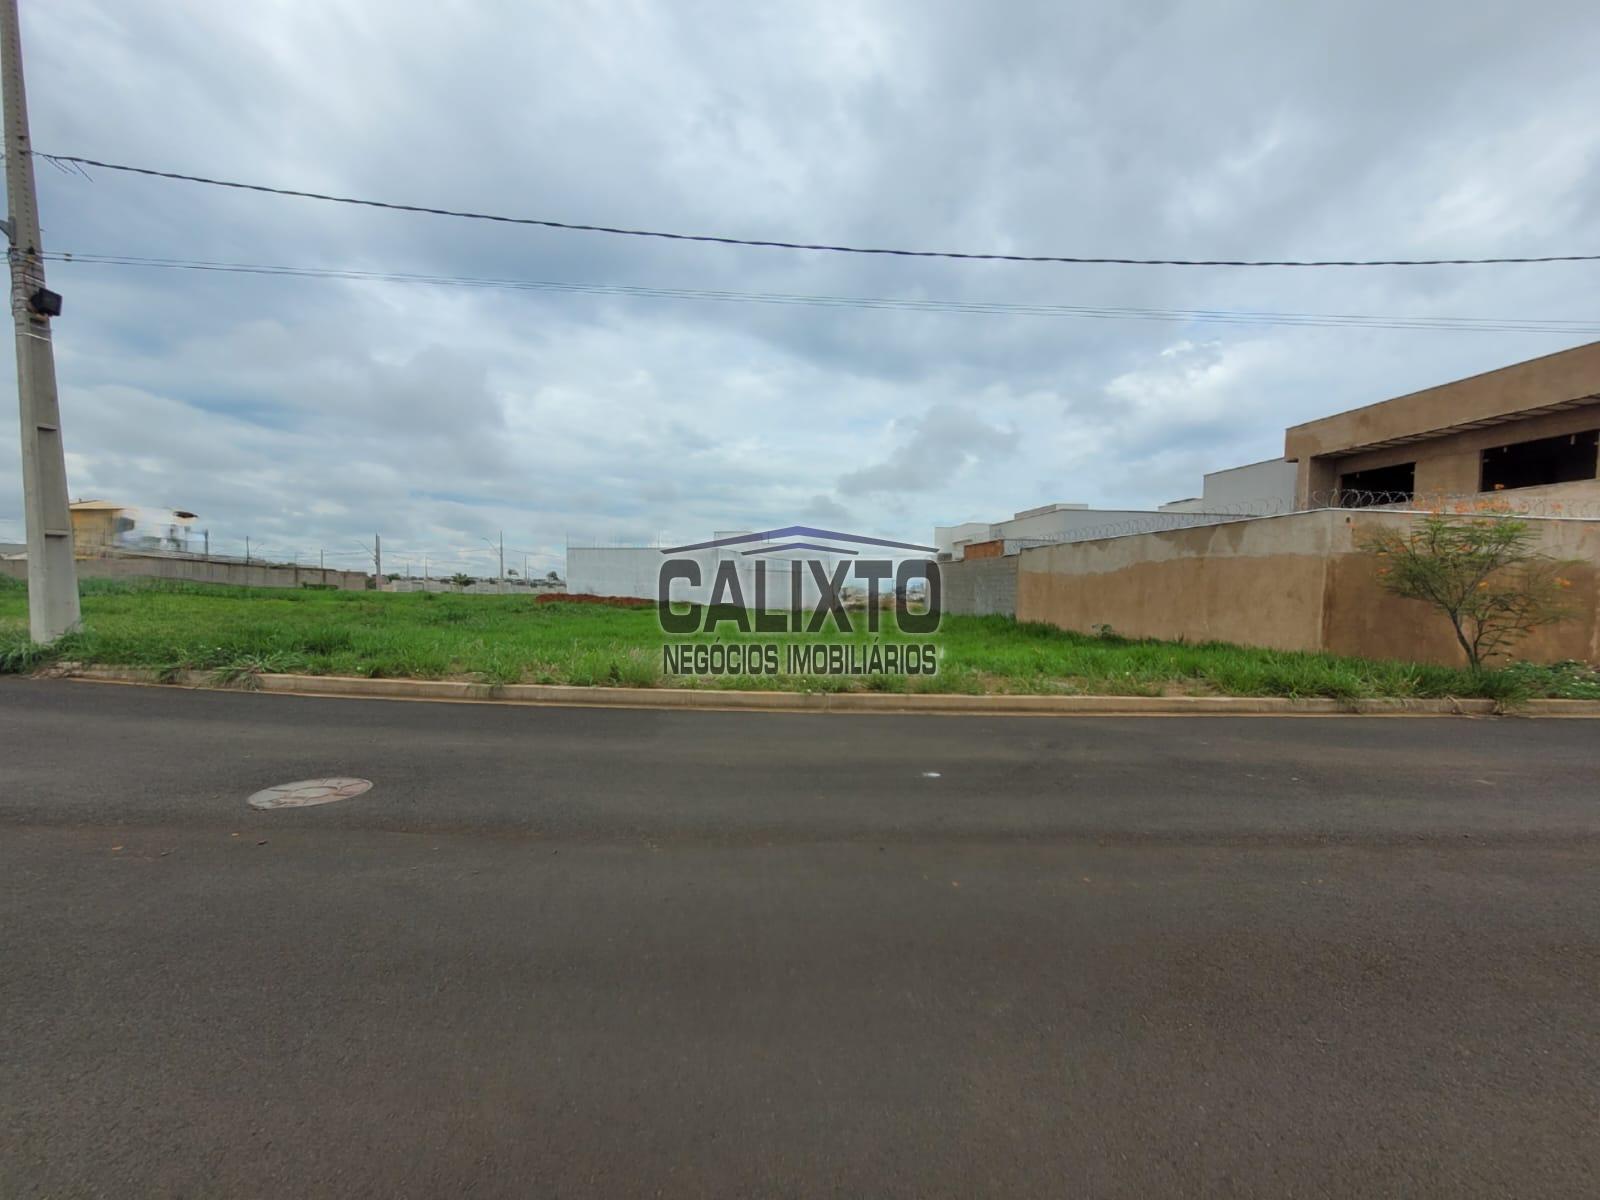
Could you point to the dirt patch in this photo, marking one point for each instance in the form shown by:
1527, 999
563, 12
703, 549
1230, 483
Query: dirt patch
585, 598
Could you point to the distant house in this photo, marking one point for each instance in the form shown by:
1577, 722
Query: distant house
102, 526
96, 526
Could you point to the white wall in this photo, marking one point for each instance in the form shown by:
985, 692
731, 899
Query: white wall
613, 571
1267, 485
1048, 521
1066, 523
635, 571
1063, 521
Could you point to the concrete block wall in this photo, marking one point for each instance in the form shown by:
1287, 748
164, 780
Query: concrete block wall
202, 570
980, 587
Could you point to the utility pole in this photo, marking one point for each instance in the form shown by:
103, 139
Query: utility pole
377, 556
52, 574
208, 543
322, 558
247, 549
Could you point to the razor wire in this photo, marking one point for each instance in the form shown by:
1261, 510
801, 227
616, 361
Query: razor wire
1471, 504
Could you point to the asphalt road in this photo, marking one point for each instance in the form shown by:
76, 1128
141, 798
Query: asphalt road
607, 953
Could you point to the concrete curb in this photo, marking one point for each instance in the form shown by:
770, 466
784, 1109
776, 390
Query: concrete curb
826, 702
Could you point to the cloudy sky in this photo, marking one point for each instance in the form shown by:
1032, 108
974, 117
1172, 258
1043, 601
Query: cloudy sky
311, 413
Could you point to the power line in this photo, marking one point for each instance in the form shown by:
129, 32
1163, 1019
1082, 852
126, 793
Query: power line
72, 159
904, 304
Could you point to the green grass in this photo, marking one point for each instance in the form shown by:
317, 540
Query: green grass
238, 633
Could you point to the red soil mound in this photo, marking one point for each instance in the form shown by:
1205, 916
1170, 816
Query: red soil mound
581, 598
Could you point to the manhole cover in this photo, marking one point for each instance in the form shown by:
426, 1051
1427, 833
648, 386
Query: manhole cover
307, 792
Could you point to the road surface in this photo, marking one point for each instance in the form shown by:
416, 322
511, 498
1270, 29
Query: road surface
611, 953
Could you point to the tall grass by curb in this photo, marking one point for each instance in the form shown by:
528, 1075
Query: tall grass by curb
239, 633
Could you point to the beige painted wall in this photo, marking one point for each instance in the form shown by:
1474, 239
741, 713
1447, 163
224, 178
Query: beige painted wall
1359, 617
1256, 582
1293, 582
93, 530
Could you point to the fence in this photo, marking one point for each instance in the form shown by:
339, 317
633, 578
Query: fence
404, 558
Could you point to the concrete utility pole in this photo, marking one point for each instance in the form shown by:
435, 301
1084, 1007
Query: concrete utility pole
377, 557
52, 574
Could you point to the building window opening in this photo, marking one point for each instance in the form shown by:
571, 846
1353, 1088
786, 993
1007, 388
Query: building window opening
1378, 485
1566, 458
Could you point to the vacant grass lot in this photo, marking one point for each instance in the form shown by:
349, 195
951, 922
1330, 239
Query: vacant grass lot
238, 632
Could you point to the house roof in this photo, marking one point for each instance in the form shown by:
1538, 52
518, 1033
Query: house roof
114, 506
1565, 379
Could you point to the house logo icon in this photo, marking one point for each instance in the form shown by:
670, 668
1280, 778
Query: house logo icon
797, 579
826, 541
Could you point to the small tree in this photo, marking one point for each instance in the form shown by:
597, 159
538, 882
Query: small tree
1483, 573
461, 579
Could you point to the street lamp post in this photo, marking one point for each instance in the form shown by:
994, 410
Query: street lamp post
501, 548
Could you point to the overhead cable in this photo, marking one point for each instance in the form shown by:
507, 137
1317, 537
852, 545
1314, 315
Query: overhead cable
774, 244
904, 304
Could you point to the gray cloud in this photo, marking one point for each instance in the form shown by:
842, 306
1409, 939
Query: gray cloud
942, 443
319, 412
